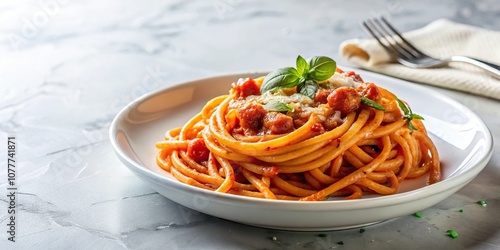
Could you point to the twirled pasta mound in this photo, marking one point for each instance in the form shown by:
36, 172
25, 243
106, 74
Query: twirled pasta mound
351, 138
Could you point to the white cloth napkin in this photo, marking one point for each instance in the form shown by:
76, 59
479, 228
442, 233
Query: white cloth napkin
441, 38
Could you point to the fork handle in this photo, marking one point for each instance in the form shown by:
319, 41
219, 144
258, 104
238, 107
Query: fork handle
490, 67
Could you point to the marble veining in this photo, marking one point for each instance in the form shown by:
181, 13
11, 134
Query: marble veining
68, 67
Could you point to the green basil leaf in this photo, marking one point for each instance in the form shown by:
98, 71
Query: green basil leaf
403, 107
302, 66
281, 78
371, 103
321, 68
278, 106
415, 116
408, 114
410, 125
309, 89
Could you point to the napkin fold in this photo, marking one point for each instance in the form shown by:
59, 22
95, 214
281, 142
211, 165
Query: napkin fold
441, 38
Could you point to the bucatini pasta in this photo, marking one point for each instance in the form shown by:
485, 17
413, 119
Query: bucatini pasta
305, 133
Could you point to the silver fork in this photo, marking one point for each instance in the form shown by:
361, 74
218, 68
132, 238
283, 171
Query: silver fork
405, 53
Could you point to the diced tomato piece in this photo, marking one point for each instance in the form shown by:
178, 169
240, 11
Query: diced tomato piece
369, 90
197, 150
246, 87
354, 76
318, 127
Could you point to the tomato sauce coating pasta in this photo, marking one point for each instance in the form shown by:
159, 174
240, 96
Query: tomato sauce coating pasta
284, 145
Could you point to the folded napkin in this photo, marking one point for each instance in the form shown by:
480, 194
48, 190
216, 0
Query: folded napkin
441, 38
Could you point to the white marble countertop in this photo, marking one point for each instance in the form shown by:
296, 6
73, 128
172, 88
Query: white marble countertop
67, 68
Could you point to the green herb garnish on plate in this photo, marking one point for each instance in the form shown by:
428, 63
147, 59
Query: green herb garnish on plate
482, 203
452, 234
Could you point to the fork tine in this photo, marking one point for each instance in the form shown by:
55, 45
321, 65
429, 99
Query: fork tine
402, 51
389, 36
414, 51
385, 39
373, 32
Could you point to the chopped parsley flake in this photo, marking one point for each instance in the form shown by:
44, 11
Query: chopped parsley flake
362, 230
452, 234
418, 215
482, 203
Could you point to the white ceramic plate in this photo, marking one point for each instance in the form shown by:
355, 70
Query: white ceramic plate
463, 141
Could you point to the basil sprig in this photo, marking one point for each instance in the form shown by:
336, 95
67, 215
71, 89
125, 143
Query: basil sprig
280, 78
302, 65
408, 114
321, 68
305, 77
277, 106
308, 88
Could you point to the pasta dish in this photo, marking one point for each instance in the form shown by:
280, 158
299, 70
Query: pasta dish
306, 133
